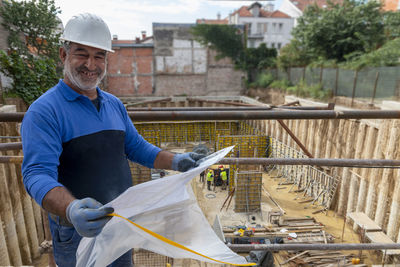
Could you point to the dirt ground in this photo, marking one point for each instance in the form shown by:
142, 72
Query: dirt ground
211, 203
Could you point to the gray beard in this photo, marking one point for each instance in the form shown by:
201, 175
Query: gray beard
73, 76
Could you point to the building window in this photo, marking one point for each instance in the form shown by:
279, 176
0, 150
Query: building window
279, 45
274, 27
252, 44
248, 26
280, 27
273, 45
262, 28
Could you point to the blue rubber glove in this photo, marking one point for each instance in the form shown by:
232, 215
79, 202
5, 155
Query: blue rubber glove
88, 216
186, 161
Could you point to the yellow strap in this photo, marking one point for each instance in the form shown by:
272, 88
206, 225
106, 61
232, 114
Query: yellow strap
173, 243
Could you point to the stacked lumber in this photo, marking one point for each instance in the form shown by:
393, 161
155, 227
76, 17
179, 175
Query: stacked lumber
319, 258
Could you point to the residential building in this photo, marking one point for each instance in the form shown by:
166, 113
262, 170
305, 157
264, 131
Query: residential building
264, 25
295, 8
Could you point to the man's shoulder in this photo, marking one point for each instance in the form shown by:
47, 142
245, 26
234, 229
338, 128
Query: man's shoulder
47, 100
110, 96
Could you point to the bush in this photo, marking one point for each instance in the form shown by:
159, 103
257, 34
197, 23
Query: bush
315, 91
280, 84
264, 80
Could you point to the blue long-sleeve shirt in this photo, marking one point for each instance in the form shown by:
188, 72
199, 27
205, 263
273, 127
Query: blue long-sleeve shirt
68, 142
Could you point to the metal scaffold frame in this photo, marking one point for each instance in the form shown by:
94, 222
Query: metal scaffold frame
311, 182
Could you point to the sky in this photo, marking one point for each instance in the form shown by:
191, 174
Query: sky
127, 18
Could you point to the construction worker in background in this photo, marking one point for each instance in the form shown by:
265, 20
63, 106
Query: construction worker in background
210, 179
76, 140
224, 178
202, 174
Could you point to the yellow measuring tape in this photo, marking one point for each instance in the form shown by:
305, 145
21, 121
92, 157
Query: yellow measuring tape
173, 243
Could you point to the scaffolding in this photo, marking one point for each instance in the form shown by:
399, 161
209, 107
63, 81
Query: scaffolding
313, 184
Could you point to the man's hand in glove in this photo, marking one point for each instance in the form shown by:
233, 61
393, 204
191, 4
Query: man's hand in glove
186, 161
88, 216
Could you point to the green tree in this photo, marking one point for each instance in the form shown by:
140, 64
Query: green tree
32, 60
292, 55
391, 20
226, 40
229, 41
340, 29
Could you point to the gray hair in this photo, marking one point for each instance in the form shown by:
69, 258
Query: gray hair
66, 45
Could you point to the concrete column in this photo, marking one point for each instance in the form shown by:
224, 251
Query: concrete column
353, 190
370, 143
349, 152
376, 173
391, 153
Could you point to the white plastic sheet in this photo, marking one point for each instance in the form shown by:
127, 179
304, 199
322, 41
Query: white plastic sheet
167, 207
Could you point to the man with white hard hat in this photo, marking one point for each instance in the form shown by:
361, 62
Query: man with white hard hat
76, 140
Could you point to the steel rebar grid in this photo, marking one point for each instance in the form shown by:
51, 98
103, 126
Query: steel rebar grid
240, 115
331, 246
314, 162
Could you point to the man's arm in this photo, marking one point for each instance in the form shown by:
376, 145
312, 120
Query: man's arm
164, 160
57, 200
177, 162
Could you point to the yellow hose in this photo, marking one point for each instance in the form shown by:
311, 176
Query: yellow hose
173, 243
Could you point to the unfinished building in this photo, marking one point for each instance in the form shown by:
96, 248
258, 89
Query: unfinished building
318, 179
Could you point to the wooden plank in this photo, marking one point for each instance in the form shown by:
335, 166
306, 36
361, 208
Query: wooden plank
364, 222
380, 237
294, 257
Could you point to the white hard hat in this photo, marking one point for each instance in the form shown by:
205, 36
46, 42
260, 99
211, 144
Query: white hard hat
88, 29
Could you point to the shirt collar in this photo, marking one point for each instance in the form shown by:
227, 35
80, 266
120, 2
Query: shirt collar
72, 95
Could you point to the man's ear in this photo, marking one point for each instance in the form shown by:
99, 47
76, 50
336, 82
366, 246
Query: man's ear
63, 54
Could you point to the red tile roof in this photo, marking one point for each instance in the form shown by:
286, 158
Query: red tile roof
302, 4
245, 12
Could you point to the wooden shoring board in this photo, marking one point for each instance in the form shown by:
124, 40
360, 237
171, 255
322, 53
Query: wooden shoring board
364, 222
381, 237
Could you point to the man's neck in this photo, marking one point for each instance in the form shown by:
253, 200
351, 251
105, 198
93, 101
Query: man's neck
91, 93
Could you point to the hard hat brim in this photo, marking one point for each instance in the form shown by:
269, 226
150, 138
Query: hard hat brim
87, 44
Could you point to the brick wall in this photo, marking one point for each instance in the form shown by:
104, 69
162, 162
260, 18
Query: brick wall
130, 71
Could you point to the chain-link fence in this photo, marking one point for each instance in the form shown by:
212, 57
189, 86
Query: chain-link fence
370, 83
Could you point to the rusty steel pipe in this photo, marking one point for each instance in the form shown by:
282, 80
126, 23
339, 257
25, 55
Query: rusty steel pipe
313, 162
148, 102
221, 102
11, 159
281, 161
305, 108
240, 115
199, 108
263, 115
298, 247
10, 146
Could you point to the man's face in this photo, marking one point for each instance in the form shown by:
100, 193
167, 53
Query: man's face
84, 66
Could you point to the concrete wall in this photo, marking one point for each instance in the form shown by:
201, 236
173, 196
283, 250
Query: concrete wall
184, 67
130, 71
